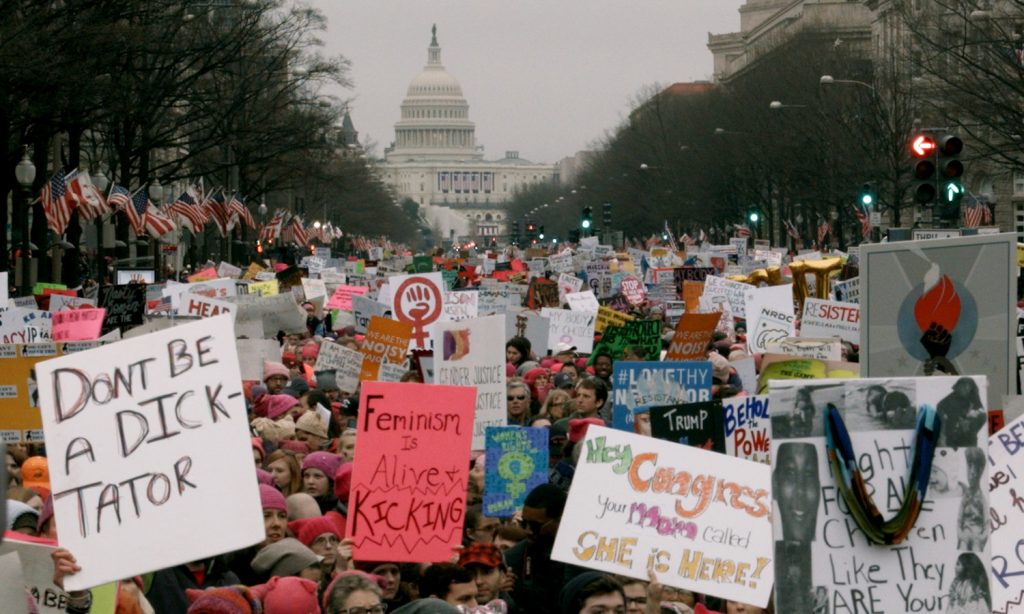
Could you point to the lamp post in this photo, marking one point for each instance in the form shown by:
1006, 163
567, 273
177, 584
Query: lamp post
101, 182
830, 80
25, 173
156, 195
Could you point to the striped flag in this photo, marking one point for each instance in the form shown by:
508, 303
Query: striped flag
137, 211
865, 222
299, 234
219, 212
791, 230
976, 213
58, 205
272, 229
671, 239
187, 212
157, 222
119, 197
741, 230
237, 206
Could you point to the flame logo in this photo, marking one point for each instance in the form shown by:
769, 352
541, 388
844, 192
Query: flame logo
940, 303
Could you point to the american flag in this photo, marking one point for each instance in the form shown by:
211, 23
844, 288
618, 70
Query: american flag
687, 239
58, 205
272, 229
976, 212
137, 211
791, 230
237, 206
299, 234
823, 230
218, 210
157, 223
119, 197
91, 203
671, 238
702, 238
199, 193
865, 222
189, 214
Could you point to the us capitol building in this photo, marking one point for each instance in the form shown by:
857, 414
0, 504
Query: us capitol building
435, 160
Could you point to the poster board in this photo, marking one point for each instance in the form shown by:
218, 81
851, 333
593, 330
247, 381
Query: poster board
529, 324
748, 427
966, 286
472, 353
344, 361
692, 336
408, 494
342, 297
385, 339
770, 316
125, 305
252, 353
77, 324
1007, 528
575, 328
831, 319
818, 548
363, 309
641, 385
178, 430
691, 424
645, 334
719, 289
203, 306
698, 538
417, 300
517, 461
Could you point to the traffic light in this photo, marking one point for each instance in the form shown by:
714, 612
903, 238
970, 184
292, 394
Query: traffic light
514, 234
574, 236
866, 199
754, 217
587, 219
950, 169
606, 217
540, 232
531, 230
923, 150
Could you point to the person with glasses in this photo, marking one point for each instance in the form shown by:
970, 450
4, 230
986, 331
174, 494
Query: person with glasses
322, 535
518, 397
354, 593
538, 579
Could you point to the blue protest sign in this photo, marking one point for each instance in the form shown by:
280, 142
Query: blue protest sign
517, 461
638, 386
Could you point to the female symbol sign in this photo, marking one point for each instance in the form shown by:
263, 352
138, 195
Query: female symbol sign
418, 302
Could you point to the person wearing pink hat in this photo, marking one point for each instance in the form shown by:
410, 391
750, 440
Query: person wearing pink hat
275, 376
322, 535
310, 351
287, 595
318, 470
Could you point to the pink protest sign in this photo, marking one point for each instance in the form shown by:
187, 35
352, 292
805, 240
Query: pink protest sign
342, 297
408, 496
77, 324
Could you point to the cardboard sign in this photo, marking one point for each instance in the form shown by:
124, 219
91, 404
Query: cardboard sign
265, 288
472, 353
542, 293
77, 324
226, 269
573, 327
942, 306
385, 339
692, 291
720, 289
517, 461
215, 288
847, 291
831, 319
1006, 522
174, 441
125, 305
684, 526
342, 297
748, 427
365, 308
529, 324
252, 271
606, 316
644, 334
561, 263
36, 567
60, 302
770, 316
567, 284
408, 494
313, 288
461, 305
252, 353
344, 361
691, 424
822, 558
584, 301
820, 349
417, 300
637, 386
203, 307
497, 298
692, 336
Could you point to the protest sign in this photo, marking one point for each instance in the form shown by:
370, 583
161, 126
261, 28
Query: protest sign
719, 289
529, 324
19, 397
542, 293
226, 269
825, 561
567, 284
124, 476
830, 319
125, 305
417, 300
946, 305
692, 336
37, 570
203, 275
214, 288
77, 324
313, 288
747, 422
390, 373
342, 297
385, 339
584, 301
408, 495
692, 292
460, 305
252, 353
691, 424
270, 287
633, 289
847, 291
365, 308
642, 334
561, 263
203, 306
472, 353
344, 361
575, 328
496, 298
12, 583
60, 302
637, 386
1006, 518
690, 526
606, 316
770, 316
821, 349
273, 313
516, 462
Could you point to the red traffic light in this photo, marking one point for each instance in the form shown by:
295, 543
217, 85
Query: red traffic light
922, 146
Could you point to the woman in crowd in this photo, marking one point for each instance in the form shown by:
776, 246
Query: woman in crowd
318, 471
286, 472
517, 351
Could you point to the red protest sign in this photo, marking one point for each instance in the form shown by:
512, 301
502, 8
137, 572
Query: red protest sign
77, 324
408, 496
693, 333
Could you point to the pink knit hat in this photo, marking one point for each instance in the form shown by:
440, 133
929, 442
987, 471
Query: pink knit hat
324, 461
288, 595
306, 530
310, 350
222, 600
343, 481
264, 477
271, 369
274, 406
272, 499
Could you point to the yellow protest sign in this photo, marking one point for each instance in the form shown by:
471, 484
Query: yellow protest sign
263, 288
606, 316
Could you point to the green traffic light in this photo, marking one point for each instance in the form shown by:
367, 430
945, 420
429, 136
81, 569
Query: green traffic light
951, 192
585, 224
867, 200
754, 217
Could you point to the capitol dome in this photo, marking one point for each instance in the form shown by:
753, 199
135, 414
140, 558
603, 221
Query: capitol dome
435, 116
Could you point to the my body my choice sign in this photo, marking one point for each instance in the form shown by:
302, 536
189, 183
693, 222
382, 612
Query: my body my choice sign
147, 434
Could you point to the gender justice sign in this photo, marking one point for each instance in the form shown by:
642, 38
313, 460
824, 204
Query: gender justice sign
147, 434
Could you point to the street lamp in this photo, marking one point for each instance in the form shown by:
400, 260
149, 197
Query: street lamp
262, 209
25, 173
777, 104
830, 80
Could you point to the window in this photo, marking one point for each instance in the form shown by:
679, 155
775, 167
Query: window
1018, 184
1018, 220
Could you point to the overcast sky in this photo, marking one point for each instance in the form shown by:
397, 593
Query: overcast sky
544, 77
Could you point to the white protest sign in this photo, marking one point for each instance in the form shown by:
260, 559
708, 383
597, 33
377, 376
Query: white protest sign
699, 519
567, 284
529, 324
215, 288
718, 289
496, 298
748, 427
203, 307
344, 361
226, 269
1006, 467
159, 449
583, 301
313, 288
390, 373
252, 353
4, 285
12, 584
37, 569
573, 327
472, 353
365, 308
769, 316
847, 291
332, 276
830, 319
461, 305
419, 300
561, 263
807, 347
60, 302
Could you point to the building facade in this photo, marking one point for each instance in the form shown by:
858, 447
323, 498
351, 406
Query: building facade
436, 161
